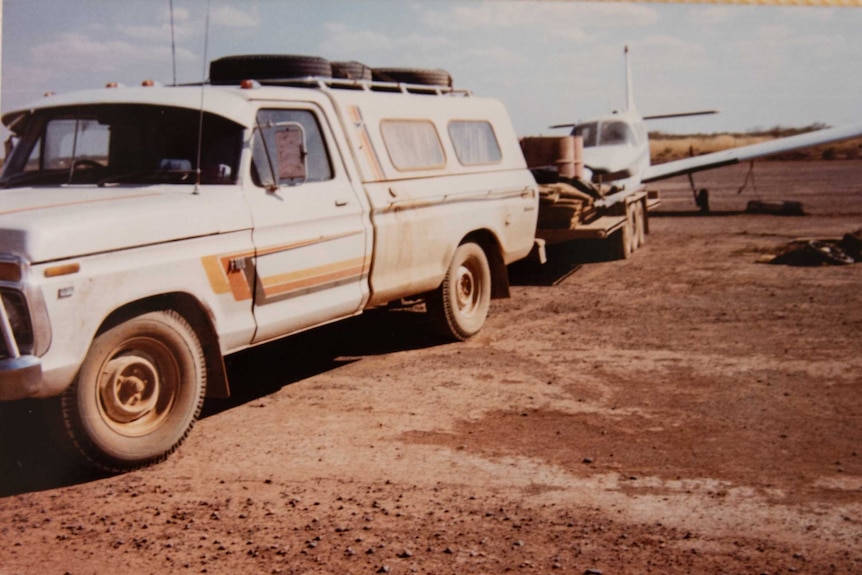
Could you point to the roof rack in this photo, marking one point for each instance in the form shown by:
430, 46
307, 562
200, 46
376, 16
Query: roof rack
325, 83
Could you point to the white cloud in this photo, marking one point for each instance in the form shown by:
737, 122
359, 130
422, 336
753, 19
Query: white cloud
230, 16
711, 15
540, 17
497, 57
674, 52
76, 51
344, 42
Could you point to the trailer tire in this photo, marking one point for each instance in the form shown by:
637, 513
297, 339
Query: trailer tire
459, 307
138, 392
640, 223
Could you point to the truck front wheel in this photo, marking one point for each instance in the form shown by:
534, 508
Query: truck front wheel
460, 305
138, 393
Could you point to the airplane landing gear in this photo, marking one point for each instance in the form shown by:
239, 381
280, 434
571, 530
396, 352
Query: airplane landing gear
701, 198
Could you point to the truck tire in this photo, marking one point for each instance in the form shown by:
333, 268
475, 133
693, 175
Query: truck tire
459, 307
235, 69
351, 70
138, 393
422, 76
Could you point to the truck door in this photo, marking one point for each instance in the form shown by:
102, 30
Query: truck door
312, 243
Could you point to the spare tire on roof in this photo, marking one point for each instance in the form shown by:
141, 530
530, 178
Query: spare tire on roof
351, 71
422, 76
234, 69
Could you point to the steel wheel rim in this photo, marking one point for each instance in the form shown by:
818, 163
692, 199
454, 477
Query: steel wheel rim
138, 385
467, 290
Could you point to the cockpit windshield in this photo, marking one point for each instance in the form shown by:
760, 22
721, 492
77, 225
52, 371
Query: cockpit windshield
605, 133
589, 132
122, 144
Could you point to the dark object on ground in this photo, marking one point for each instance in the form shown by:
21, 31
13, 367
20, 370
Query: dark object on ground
781, 208
852, 244
813, 253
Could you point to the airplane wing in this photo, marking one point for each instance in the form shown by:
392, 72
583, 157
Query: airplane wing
745, 153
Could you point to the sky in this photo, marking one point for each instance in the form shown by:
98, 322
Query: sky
549, 61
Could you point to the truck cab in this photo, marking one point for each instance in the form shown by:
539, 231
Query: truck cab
147, 232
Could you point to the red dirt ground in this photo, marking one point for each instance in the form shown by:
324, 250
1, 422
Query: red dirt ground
687, 410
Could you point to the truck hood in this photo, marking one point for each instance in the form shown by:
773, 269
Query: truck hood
46, 224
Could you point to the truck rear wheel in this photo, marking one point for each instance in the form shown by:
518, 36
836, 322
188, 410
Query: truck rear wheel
138, 393
460, 305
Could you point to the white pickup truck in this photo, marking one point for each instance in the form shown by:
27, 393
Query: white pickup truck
147, 232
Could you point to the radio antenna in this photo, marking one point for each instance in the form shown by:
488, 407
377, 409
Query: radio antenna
173, 44
203, 88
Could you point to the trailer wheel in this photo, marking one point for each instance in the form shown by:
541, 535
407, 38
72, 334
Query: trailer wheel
640, 223
459, 307
623, 238
138, 393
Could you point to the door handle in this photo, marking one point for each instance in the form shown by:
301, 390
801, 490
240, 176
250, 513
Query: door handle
341, 203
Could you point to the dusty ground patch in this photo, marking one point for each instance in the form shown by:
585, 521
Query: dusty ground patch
685, 411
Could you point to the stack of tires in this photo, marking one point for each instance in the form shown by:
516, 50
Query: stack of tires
231, 70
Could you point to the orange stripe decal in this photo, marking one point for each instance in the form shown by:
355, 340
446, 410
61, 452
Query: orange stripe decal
224, 280
313, 277
239, 281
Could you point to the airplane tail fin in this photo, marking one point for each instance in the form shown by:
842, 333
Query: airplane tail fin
630, 97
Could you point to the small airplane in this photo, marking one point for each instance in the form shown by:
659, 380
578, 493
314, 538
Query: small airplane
616, 147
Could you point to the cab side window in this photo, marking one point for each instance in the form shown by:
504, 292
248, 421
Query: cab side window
318, 164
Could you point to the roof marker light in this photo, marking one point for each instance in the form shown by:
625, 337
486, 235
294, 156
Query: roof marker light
249, 84
148, 83
112, 85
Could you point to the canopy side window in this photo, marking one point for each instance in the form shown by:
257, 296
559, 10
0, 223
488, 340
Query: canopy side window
475, 142
413, 144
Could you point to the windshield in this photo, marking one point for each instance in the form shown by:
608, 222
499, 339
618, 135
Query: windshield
606, 133
122, 144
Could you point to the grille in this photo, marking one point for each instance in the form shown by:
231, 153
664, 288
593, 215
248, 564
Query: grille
19, 318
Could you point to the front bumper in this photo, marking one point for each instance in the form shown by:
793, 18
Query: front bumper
19, 377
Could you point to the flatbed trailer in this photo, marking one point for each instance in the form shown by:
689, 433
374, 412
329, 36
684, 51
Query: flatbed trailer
573, 208
621, 218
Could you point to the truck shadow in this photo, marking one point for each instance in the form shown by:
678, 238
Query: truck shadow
263, 370
31, 456
564, 259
